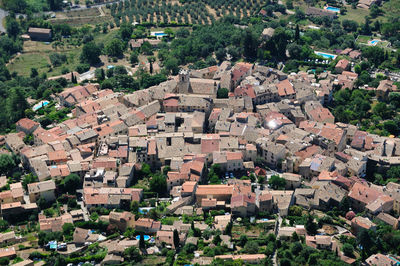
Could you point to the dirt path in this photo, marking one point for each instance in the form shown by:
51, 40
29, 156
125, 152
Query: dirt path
3, 15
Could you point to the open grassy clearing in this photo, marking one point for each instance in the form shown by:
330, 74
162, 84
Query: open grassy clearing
26, 61
94, 15
391, 9
36, 55
357, 14
23, 63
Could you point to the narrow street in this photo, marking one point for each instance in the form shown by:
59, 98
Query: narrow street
277, 225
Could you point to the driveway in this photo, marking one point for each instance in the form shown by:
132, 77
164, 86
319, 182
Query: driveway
3, 14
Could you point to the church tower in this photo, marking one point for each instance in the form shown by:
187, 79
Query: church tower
184, 82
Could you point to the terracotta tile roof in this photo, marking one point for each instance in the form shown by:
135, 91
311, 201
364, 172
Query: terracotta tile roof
321, 114
27, 123
57, 155
285, 88
105, 163
246, 90
275, 120
327, 176
243, 200
214, 190
41, 186
210, 143
7, 252
342, 63
148, 223
234, 156
208, 202
364, 194
188, 186
265, 196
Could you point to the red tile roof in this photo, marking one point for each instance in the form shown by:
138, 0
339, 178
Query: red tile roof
27, 123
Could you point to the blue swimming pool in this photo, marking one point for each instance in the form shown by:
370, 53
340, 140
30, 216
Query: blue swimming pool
40, 105
374, 42
146, 237
326, 55
158, 34
334, 9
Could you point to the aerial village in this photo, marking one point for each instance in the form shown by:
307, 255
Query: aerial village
175, 166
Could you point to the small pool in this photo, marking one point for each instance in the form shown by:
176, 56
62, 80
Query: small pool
333, 9
146, 237
110, 66
158, 34
40, 105
326, 55
145, 210
374, 42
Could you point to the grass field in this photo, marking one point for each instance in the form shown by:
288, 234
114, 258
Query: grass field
81, 17
357, 15
391, 9
39, 59
364, 40
23, 63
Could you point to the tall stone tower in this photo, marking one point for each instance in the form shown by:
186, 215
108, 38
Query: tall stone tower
184, 82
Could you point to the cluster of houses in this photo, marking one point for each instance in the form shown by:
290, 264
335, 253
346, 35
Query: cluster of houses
269, 116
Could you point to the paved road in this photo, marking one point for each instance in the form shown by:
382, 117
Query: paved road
3, 14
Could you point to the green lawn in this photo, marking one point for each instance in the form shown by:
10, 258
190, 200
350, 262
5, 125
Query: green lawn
37, 5
23, 63
391, 9
363, 39
357, 15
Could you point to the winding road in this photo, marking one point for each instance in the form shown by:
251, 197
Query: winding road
3, 14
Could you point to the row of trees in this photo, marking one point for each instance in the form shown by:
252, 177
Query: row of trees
193, 12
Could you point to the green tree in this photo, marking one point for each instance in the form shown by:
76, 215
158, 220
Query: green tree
55, 4
242, 240
381, 109
126, 31
251, 247
176, 239
71, 183
13, 28
222, 93
158, 183
393, 172
348, 249
142, 244
277, 182
171, 64
68, 230
99, 74
7, 164
364, 239
391, 126
3, 225
17, 6
114, 48
250, 44
228, 229
90, 53
28, 179
134, 59
311, 226
132, 254
16, 104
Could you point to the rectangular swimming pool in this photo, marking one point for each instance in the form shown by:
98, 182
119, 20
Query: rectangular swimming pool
40, 105
326, 55
333, 9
